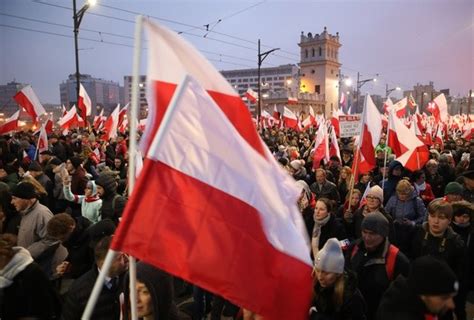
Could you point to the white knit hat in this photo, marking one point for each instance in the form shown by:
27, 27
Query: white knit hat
296, 164
377, 192
330, 257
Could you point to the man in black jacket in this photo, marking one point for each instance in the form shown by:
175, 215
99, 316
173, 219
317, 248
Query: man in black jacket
375, 261
108, 304
112, 203
323, 188
426, 294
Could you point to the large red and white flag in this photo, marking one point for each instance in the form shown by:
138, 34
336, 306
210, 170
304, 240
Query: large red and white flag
310, 119
170, 58
400, 108
28, 100
290, 120
439, 136
439, 108
225, 218
410, 151
42, 139
411, 102
371, 129
111, 124
10, 124
122, 114
99, 120
84, 104
387, 106
335, 120
321, 145
251, 95
334, 147
70, 119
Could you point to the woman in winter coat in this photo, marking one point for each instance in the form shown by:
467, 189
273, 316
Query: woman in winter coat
422, 188
326, 225
336, 296
90, 202
405, 206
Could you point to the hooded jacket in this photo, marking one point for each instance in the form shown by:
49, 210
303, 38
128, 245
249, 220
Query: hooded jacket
90, 206
391, 183
413, 209
112, 203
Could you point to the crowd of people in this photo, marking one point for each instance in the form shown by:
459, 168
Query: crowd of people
386, 244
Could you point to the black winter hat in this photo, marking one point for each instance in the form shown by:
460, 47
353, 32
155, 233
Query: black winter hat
76, 161
107, 181
100, 230
24, 190
55, 162
432, 276
35, 166
376, 222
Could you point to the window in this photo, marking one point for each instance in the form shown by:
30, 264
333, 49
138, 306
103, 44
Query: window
320, 51
313, 52
317, 89
306, 53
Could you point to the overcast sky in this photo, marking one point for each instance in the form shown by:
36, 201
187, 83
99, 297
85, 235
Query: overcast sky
405, 42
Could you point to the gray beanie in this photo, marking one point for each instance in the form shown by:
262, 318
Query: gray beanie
376, 222
330, 257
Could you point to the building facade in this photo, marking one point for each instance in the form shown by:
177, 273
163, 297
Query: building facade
103, 93
127, 93
320, 67
8, 106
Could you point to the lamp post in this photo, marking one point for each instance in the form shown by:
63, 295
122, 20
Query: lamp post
77, 18
342, 79
389, 91
360, 83
261, 57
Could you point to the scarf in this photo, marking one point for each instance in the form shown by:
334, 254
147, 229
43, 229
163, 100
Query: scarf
91, 198
318, 224
420, 187
17, 264
462, 225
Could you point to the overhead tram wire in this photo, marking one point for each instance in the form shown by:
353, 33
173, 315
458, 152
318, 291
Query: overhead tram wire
193, 27
110, 34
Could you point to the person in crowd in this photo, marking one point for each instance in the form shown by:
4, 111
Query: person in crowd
344, 182
36, 171
90, 202
78, 175
346, 154
427, 292
326, 225
383, 147
112, 203
350, 205
8, 175
304, 206
422, 188
467, 180
436, 238
60, 202
34, 216
364, 181
120, 167
45, 160
433, 177
49, 251
155, 294
323, 188
58, 148
41, 193
453, 191
334, 166
108, 303
25, 291
335, 292
395, 170
121, 147
297, 169
375, 260
9, 217
405, 206
446, 167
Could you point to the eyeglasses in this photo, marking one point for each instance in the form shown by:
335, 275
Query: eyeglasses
371, 198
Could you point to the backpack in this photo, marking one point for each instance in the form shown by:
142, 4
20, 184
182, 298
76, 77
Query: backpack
389, 259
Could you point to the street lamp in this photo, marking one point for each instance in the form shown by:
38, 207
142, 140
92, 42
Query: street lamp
389, 91
261, 57
77, 18
360, 83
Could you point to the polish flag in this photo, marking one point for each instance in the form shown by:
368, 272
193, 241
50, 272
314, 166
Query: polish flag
267, 119
276, 115
321, 146
371, 129
142, 124
410, 151
411, 102
28, 100
292, 100
84, 104
429, 134
70, 119
122, 114
10, 124
439, 136
335, 120
122, 128
63, 109
251, 95
384, 120
387, 106
99, 120
290, 120
334, 147
111, 124
42, 140
468, 130
439, 108
218, 195
170, 58
49, 124
400, 108
342, 101
415, 128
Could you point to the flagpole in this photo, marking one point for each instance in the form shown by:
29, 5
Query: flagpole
132, 115
131, 178
385, 153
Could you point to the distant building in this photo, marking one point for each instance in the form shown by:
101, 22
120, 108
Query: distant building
423, 93
8, 106
319, 63
127, 93
103, 93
